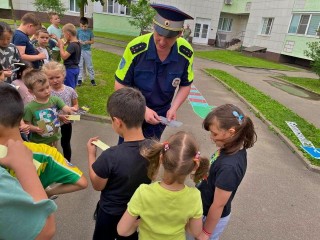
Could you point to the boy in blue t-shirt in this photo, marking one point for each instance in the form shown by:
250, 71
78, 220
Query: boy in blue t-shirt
29, 25
86, 38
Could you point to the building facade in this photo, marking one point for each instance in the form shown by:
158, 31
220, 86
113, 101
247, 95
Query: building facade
281, 27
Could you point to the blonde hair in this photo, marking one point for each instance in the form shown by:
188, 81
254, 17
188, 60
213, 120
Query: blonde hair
32, 77
55, 66
179, 155
70, 28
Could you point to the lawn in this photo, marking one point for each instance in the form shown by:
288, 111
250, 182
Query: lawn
308, 83
268, 107
238, 59
123, 38
105, 65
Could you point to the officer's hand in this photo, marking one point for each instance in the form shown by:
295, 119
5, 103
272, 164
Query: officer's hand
171, 114
151, 117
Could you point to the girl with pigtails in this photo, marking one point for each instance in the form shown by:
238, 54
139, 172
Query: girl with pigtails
233, 133
166, 209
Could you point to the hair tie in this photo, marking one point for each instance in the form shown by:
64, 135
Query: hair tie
238, 116
196, 157
165, 146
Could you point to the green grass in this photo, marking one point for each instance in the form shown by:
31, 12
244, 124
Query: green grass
119, 37
238, 59
112, 43
105, 65
308, 83
273, 111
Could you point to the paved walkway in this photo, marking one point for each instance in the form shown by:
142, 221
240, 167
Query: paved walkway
278, 199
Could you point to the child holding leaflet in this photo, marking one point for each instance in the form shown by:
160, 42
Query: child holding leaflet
50, 164
54, 29
169, 207
42, 113
233, 132
56, 73
119, 170
70, 56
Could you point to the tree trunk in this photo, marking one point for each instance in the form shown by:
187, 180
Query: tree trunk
82, 11
12, 14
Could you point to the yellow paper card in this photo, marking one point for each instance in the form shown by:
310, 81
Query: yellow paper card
101, 145
73, 117
4, 151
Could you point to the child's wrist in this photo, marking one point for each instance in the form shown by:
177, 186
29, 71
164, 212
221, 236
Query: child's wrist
206, 232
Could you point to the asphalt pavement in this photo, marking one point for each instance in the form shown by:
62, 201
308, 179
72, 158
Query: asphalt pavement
279, 197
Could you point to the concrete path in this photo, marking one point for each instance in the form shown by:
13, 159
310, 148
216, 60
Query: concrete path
278, 199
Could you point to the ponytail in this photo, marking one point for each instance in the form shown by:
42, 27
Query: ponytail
202, 170
152, 153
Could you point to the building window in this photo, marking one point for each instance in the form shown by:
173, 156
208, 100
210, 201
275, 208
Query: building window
74, 6
113, 7
266, 26
304, 24
225, 24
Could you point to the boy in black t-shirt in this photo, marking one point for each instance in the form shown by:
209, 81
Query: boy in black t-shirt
119, 170
71, 55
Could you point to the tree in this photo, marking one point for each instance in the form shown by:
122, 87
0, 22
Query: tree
50, 6
13, 16
142, 15
314, 54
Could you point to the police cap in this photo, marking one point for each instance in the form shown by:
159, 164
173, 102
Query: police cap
168, 21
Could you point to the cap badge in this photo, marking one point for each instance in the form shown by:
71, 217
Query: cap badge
167, 23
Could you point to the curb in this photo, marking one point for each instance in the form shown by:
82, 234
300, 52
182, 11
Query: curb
291, 146
294, 84
96, 118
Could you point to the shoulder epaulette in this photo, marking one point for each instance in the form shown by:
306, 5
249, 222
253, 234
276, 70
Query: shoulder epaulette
186, 51
138, 47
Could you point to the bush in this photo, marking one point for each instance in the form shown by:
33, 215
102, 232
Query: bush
314, 54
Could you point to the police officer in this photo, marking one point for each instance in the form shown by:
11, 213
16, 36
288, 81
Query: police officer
158, 64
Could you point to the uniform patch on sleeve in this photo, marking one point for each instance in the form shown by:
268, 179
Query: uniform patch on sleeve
186, 51
122, 63
138, 47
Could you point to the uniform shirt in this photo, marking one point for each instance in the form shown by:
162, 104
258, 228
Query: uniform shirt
21, 39
75, 52
125, 170
226, 172
164, 213
47, 112
85, 35
17, 208
140, 67
51, 166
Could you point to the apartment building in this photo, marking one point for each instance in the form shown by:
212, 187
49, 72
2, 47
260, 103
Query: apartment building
274, 29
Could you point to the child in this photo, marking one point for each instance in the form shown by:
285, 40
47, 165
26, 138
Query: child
56, 73
86, 38
54, 29
42, 45
119, 170
233, 133
41, 114
50, 164
24, 202
71, 55
29, 25
9, 54
167, 208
